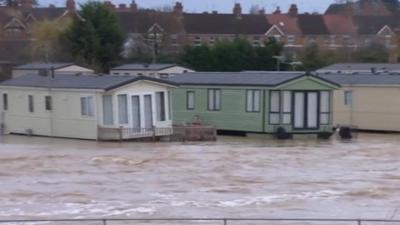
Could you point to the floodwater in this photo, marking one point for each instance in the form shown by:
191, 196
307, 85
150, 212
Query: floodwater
233, 177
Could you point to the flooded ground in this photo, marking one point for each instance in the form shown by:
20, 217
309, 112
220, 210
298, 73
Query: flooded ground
234, 177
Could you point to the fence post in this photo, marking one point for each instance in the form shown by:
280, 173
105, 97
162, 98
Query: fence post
154, 133
120, 133
104, 222
359, 222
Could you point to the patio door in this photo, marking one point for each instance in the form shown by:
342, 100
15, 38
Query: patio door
148, 112
136, 113
306, 110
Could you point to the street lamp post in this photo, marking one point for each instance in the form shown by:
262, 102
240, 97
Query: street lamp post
279, 59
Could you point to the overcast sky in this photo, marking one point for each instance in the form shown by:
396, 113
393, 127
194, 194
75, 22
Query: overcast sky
222, 5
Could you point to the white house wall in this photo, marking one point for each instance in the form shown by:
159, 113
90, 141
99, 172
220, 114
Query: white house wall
74, 69
140, 89
151, 73
64, 120
175, 69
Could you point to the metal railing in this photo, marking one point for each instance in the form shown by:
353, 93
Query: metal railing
176, 133
220, 221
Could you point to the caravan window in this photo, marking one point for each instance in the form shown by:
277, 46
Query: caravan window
253, 100
87, 106
214, 99
275, 107
348, 98
123, 109
108, 115
325, 107
30, 103
190, 100
160, 101
5, 102
48, 103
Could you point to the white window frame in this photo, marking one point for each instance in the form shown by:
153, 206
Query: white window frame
274, 112
286, 99
214, 96
123, 117
87, 106
348, 98
190, 100
252, 103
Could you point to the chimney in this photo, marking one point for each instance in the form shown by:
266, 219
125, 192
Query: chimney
71, 5
237, 10
134, 6
27, 4
293, 10
109, 4
348, 9
122, 7
261, 11
178, 9
277, 10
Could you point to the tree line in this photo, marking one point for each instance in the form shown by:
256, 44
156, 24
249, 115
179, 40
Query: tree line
95, 39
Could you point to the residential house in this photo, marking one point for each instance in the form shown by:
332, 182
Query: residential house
255, 102
209, 28
16, 24
59, 68
97, 107
366, 101
353, 68
158, 70
346, 27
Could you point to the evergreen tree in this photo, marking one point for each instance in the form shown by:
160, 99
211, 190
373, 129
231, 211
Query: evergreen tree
237, 55
96, 37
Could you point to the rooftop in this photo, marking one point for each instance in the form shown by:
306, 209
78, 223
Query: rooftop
39, 66
367, 67
103, 82
363, 79
237, 78
138, 66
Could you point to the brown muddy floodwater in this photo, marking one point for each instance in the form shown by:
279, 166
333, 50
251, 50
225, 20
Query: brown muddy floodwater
234, 177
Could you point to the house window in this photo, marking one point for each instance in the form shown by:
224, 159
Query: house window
256, 41
348, 98
290, 40
311, 40
286, 107
108, 115
30, 103
48, 103
214, 99
197, 41
122, 109
325, 107
5, 102
190, 100
87, 106
275, 107
160, 101
211, 41
174, 40
253, 100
